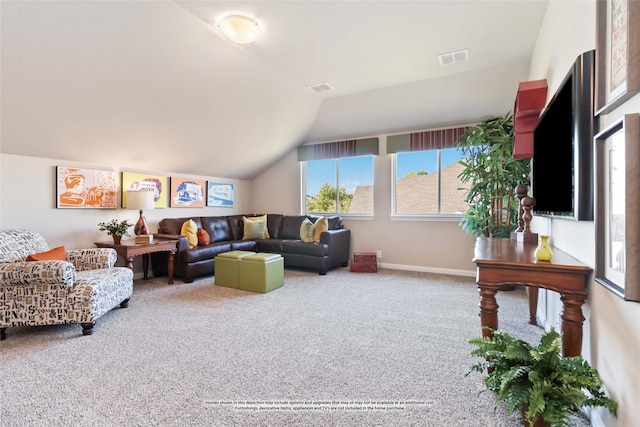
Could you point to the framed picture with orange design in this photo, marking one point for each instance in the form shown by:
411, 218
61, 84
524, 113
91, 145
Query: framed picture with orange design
85, 188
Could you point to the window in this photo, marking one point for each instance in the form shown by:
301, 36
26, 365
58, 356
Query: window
425, 173
351, 176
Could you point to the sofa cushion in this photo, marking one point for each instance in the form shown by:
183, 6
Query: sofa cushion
306, 231
54, 254
200, 253
254, 228
203, 237
319, 227
301, 248
236, 225
259, 218
274, 223
217, 227
291, 227
334, 222
243, 245
174, 225
269, 245
190, 231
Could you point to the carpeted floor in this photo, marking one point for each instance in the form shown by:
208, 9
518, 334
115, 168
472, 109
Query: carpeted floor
345, 349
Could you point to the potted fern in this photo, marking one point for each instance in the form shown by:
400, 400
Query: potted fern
116, 229
538, 381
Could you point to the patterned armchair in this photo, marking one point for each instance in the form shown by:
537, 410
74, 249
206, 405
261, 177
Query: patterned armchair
52, 292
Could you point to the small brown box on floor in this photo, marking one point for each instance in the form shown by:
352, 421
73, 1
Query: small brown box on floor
364, 262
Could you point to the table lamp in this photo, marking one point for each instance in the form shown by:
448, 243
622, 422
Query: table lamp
140, 200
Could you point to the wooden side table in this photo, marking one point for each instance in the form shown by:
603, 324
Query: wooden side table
504, 262
129, 249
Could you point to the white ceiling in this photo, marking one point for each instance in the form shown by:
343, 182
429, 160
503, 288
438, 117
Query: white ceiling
154, 86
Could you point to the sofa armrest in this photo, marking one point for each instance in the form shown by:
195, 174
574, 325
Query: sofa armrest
92, 259
37, 272
183, 242
339, 244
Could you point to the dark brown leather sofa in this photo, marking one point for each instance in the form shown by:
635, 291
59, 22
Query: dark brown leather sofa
226, 234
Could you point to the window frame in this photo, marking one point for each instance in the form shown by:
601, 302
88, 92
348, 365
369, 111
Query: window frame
303, 190
422, 216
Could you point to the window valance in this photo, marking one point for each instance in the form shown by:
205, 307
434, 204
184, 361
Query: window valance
337, 149
429, 140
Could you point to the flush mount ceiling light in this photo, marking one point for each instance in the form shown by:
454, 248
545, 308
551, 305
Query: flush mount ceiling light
240, 29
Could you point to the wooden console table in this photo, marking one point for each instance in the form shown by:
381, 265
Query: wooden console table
128, 249
506, 262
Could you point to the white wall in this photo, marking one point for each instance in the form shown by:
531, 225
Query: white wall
28, 200
434, 246
612, 336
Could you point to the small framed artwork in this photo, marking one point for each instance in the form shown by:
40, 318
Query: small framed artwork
617, 209
145, 182
187, 192
618, 53
85, 188
219, 194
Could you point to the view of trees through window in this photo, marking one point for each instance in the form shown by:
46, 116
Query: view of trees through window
342, 185
426, 183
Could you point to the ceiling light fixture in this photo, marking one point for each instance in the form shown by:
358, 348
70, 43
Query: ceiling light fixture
240, 29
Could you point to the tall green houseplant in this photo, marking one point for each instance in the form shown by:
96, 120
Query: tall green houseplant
492, 174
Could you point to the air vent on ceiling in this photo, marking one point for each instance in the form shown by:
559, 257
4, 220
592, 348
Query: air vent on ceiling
320, 87
451, 57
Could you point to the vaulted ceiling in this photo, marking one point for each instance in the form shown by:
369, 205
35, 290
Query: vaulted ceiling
153, 85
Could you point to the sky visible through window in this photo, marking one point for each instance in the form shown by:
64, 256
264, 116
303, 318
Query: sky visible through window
356, 171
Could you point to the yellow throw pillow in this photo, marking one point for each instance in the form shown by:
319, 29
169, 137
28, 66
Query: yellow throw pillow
253, 228
190, 231
260, 218
306, 231
321, 225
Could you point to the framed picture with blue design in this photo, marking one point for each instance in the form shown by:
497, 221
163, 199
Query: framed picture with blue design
219, 194
187, 193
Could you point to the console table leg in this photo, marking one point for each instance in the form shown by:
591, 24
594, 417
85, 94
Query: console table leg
170, 267
145, 266
130, 262
532, 294
572, 320
488, 310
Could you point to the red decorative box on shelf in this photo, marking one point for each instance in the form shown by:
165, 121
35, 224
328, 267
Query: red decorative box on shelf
364, 262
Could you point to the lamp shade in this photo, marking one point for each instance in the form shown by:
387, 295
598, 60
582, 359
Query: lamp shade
240, 29
140, 200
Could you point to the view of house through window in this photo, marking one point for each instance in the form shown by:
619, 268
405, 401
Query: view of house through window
427, 183
343, 185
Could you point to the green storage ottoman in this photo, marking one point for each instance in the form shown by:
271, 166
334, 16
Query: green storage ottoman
227, 267
262, 272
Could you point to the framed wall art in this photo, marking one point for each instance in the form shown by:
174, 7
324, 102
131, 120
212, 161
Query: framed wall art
219, 194
140, 181
617, 218
187, 192
85, 188
618, 53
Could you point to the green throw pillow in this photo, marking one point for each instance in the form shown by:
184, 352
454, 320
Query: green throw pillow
253, 229
306, 231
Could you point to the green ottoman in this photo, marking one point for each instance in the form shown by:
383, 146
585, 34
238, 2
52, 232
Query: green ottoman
227, 268
262, 272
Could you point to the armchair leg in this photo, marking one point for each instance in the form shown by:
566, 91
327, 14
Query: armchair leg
125, 303
3, 334
87, 328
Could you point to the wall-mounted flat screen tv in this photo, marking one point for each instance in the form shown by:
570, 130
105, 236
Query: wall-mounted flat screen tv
563, 147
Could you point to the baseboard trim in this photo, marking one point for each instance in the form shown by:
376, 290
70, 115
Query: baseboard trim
449, 271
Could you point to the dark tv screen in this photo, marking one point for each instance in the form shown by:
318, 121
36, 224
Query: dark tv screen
562, 147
